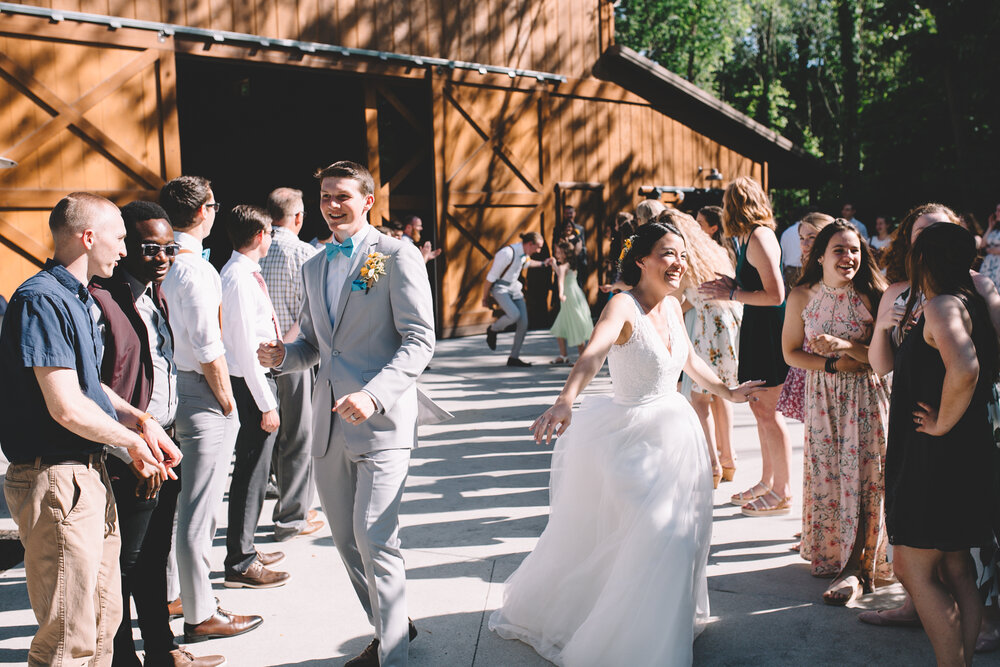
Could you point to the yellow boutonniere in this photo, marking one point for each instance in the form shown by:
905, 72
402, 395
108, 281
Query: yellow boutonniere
373, 267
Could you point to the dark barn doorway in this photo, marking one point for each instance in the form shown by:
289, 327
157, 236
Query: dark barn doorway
250, 128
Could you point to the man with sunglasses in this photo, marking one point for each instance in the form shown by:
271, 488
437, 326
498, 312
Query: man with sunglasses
138, 364
207, 420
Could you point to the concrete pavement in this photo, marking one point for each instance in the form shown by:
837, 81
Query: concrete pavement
475, 504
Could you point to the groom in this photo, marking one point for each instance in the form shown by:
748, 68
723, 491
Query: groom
367, 318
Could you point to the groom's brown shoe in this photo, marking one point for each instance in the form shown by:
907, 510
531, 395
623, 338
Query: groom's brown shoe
369, 657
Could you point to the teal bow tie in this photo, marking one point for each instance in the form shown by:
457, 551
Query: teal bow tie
206, 253
332, 248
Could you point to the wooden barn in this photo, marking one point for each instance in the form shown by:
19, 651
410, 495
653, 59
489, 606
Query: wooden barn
483, 117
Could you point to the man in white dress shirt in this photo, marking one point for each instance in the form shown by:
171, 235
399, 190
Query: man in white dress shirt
207, 422
502, 282
248, 319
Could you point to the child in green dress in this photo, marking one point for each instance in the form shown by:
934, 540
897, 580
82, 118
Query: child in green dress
573, 324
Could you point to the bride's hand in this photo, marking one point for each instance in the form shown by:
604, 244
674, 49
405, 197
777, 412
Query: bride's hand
742, 393
555, 419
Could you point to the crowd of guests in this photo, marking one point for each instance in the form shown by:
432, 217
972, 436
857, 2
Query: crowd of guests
884, 345
130, 338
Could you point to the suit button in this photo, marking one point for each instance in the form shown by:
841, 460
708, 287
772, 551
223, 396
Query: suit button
336, 353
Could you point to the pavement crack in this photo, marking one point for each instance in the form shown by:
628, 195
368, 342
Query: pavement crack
482, 618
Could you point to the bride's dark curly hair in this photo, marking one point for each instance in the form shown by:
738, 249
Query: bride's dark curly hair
640, 246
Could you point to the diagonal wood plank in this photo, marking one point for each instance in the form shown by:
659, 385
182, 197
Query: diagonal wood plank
23, 80
398, 105
24, 241
473, 279
495, 138
84, 103
405, 171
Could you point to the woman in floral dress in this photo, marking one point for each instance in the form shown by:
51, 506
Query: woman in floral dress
714, 335
831, 309
791, 402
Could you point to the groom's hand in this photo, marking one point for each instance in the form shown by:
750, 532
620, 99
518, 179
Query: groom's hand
355, 408
271, 353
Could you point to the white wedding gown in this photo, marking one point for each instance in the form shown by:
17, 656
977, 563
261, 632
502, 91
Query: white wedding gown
618, 575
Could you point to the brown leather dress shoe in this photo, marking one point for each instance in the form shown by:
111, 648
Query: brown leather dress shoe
219, 625
369, 657
181, 658
175, 609
269, 559
256, 576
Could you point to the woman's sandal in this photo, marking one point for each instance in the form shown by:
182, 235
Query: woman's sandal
833, 594
878, 617
759, 506
559, 361
716, 476
728, 472
743, 497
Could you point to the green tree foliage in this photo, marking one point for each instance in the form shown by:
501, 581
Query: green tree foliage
902, 98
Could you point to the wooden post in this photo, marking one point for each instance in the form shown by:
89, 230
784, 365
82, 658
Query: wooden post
446, 305
170, 136
444, 301
380, 209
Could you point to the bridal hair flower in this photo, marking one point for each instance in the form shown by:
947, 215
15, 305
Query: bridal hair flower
626, 246
373, 267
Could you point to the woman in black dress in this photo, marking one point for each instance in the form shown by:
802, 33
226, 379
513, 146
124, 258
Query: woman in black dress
939, 481
759, 287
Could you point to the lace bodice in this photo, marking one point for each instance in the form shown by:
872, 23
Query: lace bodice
642, 368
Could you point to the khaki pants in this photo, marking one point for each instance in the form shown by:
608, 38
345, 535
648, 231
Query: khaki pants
66, 520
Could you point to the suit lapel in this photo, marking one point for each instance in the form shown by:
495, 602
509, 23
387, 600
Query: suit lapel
371, 241
321, 319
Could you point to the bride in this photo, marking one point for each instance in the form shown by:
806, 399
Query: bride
618, 576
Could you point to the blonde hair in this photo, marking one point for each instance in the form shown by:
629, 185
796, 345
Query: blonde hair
648, 209
816, 220
706, 258
744, 206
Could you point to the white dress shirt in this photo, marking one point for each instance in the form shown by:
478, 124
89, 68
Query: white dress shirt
163, 400
341, 269
247, 321
511, 273
193, 292
791, 251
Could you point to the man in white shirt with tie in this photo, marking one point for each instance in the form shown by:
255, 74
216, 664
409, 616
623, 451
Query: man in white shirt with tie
248, 319
207, 421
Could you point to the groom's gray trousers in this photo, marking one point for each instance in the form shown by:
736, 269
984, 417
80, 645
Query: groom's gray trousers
368, 541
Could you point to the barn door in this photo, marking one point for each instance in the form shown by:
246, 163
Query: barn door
493, 186
78, 116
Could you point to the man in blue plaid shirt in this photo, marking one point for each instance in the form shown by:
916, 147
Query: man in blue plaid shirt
292, 460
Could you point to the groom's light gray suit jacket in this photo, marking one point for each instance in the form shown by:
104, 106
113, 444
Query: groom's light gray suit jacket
380, 341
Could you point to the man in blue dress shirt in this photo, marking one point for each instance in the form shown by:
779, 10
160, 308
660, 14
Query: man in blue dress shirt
56, 418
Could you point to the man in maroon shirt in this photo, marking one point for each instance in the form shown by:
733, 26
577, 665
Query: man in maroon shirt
138, 365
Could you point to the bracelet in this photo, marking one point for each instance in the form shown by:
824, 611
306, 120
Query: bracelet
831, 365
142, 420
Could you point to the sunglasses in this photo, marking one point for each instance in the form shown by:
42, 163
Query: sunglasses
154, 249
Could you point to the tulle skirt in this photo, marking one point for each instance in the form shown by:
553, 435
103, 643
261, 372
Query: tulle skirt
618, 576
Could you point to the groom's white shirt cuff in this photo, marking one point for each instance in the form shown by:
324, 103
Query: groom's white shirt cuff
378, 403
